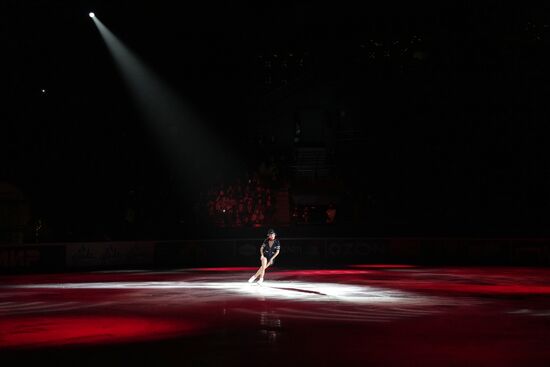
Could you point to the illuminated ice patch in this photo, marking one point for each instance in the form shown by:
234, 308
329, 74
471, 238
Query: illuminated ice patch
284, 290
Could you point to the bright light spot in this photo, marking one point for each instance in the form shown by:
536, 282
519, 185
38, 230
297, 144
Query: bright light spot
43, 91
303, 291
91, 15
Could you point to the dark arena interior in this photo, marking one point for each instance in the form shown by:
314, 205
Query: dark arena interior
398, 151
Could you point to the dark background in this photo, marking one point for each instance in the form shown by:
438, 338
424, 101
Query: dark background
445, 106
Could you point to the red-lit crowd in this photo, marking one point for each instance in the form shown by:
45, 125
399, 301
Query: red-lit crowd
241, 204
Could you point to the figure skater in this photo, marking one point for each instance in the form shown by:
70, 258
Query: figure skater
268, 252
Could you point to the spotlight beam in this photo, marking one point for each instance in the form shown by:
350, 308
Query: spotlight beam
196, 154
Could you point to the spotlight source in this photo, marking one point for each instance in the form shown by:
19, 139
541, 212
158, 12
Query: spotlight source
91, 15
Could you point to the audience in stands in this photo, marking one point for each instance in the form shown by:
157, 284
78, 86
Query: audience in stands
238, 204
